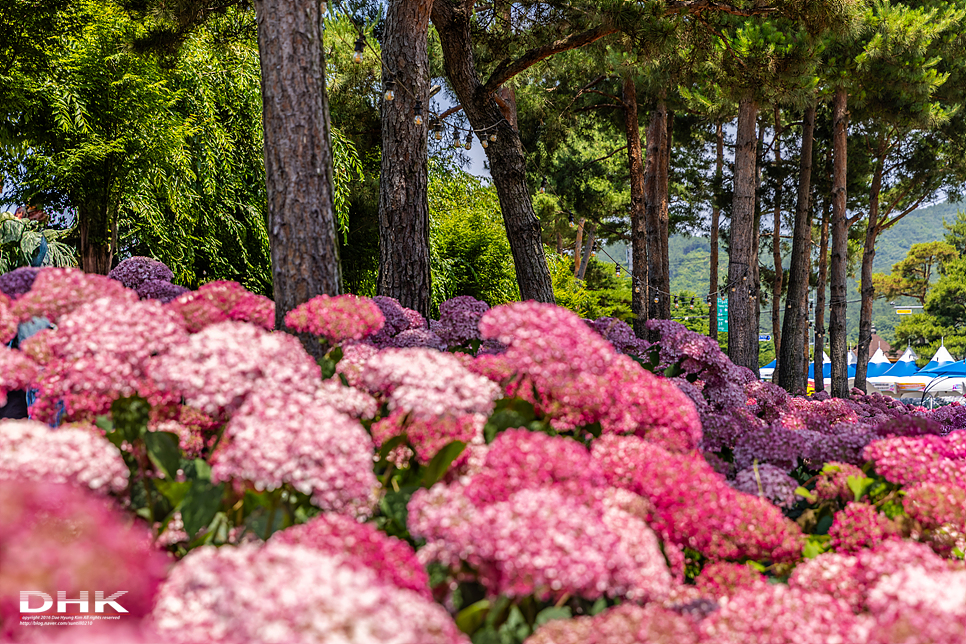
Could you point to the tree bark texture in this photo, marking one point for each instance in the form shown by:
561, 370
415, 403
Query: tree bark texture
298, 154
97, 225
820, 299
840, 244
754, 272
792, 357
578, 246
588, 249
404, 271
505, 155
715, 220
742, 326
776, 241
635, 164
656, 215
867, 288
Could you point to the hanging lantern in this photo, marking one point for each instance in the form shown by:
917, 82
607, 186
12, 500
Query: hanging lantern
438, 132
543, 185
468, 143
418, 113
617, 269
570, 217
389, 86
484, 142
360, 47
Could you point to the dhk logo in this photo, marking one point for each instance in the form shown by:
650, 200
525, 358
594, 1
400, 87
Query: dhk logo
100, 602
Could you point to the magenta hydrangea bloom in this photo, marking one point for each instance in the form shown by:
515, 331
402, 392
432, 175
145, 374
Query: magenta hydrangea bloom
693, 506
942, 510
8, 322
288, 593
17, 371
160, 290
459, 319
921, 459
418, 338
223, 301
414, 320
919, 606
428, 435
362, 546
777, 614
768, 482
79, 455
58, 291
951, 417
624, 624
219, 367
63, 538
134, 271
620, 334
723, 578
337, 319
276, 439
396, 320
580, 379
860, 526
18, 281
833, 482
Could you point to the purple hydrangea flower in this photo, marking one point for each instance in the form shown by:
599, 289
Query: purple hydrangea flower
134, 271
459, 318
160, 290
18, 281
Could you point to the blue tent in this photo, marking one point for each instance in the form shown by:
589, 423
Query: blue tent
878, 364
904, 366
941, 358
827, 371
947, 369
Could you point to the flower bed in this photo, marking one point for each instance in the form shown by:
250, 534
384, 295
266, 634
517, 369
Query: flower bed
499, 475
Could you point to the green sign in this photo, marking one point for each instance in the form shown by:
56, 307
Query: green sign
722, 315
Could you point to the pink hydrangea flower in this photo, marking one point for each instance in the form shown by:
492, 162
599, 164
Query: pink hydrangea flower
624, 624
834, 574
63, 538
833, 482
362, 546
223, 301
160, 290
37, 347
8, 322
275, 439
337, 319
777, 614
58, 291
580, 379
858, 526
428, 435
220, 366
348, 400
355, 355
427, 383
303, 597
134, 271
722, 578
694, 506
920, 459
17, 371
79, 455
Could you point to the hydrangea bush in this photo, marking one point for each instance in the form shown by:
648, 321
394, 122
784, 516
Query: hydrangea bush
498, 475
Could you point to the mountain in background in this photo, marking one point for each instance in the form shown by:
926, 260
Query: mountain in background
689, 259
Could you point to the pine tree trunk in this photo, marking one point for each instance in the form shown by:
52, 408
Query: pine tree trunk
754, 277
820, 301
578, 246
776, 248
404, 271
791, 360
840, 244
656, 215
588, 250
298, 154
742, 324
98, 235
867, 288
715, 220
505, 155
635, 164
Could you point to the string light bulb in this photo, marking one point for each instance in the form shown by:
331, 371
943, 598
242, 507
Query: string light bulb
637, 289
438, 132
468, 143
617, 270
484, 143
493, 137
655, 300
360, 47
570, 219
456, 138
418, 113
389, 85
543, 185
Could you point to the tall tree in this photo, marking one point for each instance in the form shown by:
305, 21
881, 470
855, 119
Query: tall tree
839, 230
404, 270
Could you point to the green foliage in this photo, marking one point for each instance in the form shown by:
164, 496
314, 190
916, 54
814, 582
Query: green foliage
23, 241
912, 276
600, 294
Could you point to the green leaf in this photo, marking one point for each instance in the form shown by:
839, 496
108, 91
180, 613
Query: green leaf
441, 462
471, 618
508, 413
105, 423
760, 567
815, 545
164, 452
599, 606
390, 445
197, 469
394, 506
130, 417
200, 505
551, 613
173, 491
802, 491
859, 484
